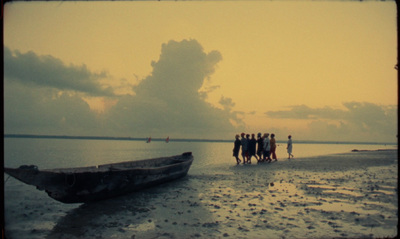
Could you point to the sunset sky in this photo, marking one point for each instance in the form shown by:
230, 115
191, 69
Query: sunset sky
207, 70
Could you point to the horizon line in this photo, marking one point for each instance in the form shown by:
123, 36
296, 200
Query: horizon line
174, 139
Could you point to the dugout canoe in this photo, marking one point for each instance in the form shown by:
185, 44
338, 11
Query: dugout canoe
87, 184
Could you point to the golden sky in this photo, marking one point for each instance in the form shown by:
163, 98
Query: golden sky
276, 56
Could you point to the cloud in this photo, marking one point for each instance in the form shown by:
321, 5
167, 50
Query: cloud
45, 111
180, 72
360, 121
47, 71
305, 112
227, 103
205, 90
43, 96
168, 101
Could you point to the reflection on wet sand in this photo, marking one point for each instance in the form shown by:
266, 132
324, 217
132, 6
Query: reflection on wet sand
169, 209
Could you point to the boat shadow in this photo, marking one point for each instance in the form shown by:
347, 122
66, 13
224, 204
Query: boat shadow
151, 212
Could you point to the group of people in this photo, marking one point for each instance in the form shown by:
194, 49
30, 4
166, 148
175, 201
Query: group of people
263, 148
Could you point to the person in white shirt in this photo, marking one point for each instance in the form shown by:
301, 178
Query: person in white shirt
244, 148
267, 148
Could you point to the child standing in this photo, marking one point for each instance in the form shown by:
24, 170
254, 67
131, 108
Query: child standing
290, 146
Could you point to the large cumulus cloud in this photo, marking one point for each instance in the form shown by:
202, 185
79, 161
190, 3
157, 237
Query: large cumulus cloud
168, 102
44, 96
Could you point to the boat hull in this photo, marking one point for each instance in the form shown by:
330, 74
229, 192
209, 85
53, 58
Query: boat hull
81, 185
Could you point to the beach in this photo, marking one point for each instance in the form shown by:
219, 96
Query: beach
350, 195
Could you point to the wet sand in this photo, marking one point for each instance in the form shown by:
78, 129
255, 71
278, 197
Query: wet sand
352, 195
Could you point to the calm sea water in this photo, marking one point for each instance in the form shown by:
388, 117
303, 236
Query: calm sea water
59, 153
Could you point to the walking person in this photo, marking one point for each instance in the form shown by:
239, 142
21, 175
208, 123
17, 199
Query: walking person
244, 148
267, 148
273, 147
236, 149
290, 146
260, 145
248, 148
252, 148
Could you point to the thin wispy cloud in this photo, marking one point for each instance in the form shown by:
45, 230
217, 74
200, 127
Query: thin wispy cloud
305, 112
357, 121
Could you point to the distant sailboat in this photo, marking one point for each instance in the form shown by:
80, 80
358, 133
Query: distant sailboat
167, 140
148, 140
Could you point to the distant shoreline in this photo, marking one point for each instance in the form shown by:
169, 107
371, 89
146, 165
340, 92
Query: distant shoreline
174, 139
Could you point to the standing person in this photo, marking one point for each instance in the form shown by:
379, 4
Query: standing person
248, 147
244, 147
290, 146
252, 148
260, 144
236, 149
267, 148
273, 147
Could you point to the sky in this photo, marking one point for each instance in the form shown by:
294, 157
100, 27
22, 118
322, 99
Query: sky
317, 70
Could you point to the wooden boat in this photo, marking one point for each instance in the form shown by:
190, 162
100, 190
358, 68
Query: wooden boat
86, 184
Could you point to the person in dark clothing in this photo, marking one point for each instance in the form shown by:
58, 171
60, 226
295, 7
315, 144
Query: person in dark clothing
236, 149
252, 148
248, 148
244, 147
273, 147
260, 145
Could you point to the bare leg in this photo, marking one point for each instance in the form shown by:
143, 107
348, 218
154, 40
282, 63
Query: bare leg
237, 160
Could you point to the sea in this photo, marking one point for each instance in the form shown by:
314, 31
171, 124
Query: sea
47, 153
